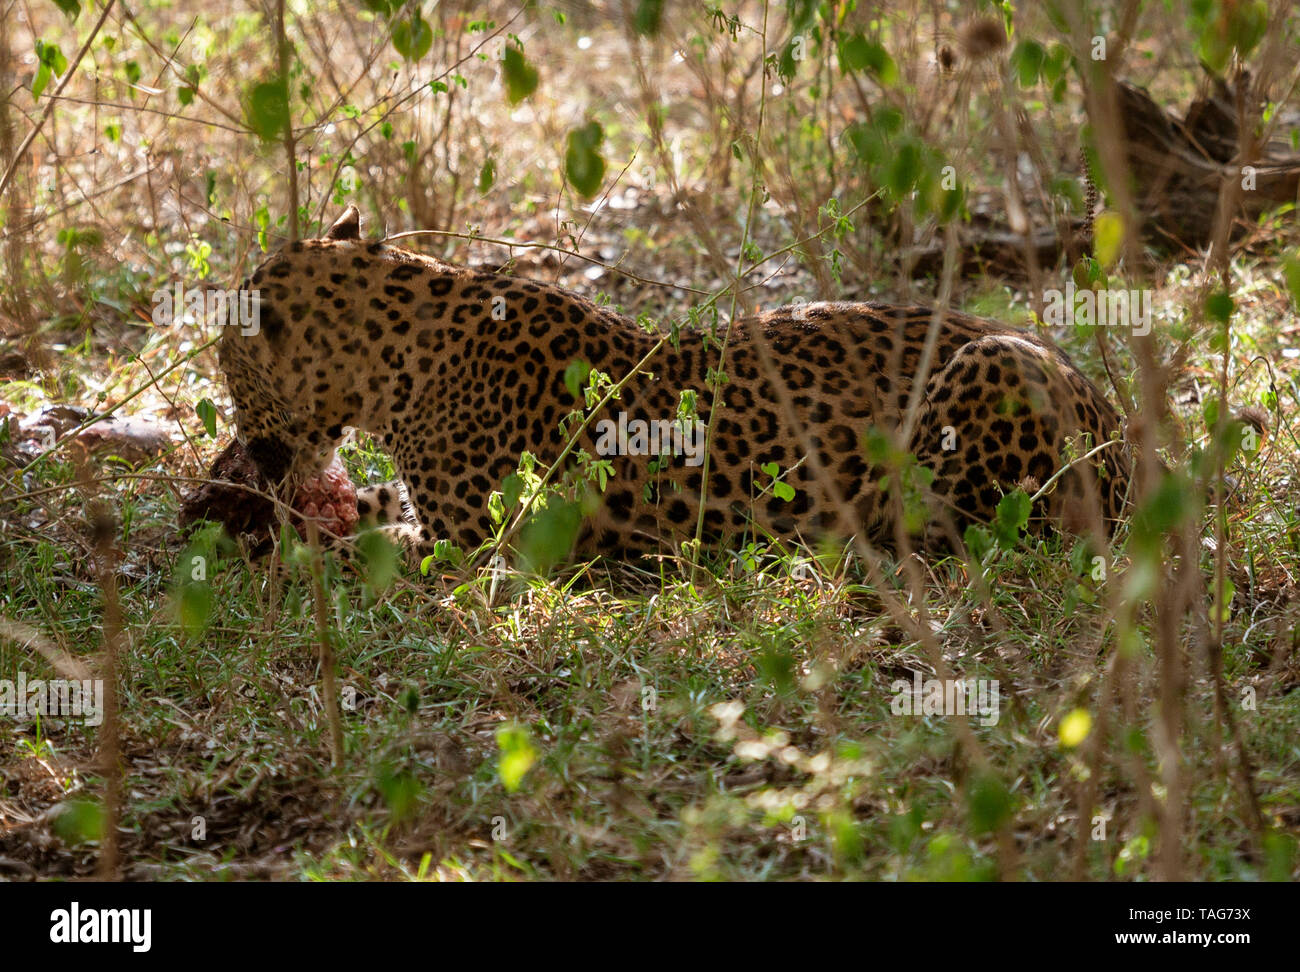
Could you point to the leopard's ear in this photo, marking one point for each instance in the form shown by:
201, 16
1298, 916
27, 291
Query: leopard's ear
347, 226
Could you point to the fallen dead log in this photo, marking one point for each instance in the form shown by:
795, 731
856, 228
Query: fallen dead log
1177, 168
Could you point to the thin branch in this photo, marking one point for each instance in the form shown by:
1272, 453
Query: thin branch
49, 105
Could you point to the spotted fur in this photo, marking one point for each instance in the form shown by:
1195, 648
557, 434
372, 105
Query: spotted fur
401, 345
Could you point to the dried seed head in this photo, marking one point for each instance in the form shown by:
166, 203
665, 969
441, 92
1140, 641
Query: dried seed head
982, 37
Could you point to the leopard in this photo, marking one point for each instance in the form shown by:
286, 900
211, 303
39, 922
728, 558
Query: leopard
459, 371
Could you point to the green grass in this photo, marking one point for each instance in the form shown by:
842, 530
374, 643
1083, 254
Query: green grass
615, 687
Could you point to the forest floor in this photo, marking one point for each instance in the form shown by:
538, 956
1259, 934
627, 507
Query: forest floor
651, 721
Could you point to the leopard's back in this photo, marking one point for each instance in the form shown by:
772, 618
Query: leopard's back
460, 371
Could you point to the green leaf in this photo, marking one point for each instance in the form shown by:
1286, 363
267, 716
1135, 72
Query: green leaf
575, 377
1074, 728
443, 550
262, 219
951, 202
51, 62
1279, 856
400, 791
207, 412
78, 821
1053, 68
1107, 237
877, 446
380, 558
776, 666
520, 76
1247, 23
548, 536
1027, 60
783, 490
1134, 851
1210, 413
517, 756
1163, 510
266, 109
487, 175
40, 80
583, 164
1219, 307
193, 75
1214, 48
1291, 273
647, 17
195, 608
905, 170
857, 53
192, 581
990, 803
978, 541
1087, 273
786, 64
70, 7
412, 37
1081, 557
1012, 517
51, 54
512, 487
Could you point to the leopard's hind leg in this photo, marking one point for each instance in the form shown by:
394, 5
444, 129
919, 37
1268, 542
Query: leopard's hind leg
1000, 415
